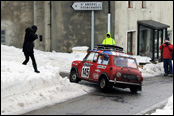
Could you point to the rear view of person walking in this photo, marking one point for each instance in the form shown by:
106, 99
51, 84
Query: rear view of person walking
167, 49
28, 46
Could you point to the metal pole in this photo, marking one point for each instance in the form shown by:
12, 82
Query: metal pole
109, 18
92, 30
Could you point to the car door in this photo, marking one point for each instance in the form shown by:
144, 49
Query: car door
88, 66
100, 66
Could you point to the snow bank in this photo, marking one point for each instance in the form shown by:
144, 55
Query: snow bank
150, 70
80, 48
142, 59
17, 78
167, 110
23, 90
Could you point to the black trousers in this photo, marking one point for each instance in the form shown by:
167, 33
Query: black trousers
31, 55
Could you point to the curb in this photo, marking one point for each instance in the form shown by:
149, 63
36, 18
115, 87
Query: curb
153, 108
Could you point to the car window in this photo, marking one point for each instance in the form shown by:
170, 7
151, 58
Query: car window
103, 59
125, 62
92, 57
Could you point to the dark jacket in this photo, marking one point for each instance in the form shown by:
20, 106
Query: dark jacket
30, 36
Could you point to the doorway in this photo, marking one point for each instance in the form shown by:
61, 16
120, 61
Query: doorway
151, 35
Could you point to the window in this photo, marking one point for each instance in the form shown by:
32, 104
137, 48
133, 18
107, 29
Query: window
3, 37
143, 4
146, 41
169, 34
103, 59
129, 43
125, 62
92, 57
130, 4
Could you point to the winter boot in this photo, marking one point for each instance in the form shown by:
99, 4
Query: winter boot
35, 68
24, 63
37, 71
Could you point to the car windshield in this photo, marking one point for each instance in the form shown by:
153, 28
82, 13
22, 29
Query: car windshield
125, 62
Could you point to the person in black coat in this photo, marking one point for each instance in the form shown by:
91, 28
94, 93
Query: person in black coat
28, 46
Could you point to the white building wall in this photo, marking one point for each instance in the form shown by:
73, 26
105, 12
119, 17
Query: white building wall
126, 18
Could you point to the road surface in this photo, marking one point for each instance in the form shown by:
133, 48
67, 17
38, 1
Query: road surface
116, 102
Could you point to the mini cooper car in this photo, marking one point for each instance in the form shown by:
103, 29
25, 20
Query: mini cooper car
108, 66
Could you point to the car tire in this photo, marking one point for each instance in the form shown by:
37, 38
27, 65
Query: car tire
73, 77
133, 89
103, 84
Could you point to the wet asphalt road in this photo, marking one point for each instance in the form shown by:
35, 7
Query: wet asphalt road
116, 102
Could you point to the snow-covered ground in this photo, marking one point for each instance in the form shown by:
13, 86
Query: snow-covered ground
167, 110
23, 90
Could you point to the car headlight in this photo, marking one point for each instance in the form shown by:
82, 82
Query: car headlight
118, 74
138, 78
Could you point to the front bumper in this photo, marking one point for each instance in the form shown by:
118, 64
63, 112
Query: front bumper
123, 84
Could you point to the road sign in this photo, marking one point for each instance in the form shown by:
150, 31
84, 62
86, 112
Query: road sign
87, 5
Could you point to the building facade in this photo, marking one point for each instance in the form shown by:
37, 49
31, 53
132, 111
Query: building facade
141, 26
137, 26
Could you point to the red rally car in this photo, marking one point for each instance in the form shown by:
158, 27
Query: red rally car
108, 66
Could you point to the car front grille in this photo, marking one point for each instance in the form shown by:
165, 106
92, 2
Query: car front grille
129, 77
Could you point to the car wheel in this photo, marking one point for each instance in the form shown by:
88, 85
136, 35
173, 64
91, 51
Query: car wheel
103, 84
133, 89
73, 77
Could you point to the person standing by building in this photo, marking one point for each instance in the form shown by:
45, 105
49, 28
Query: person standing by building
167, 49
28, 46
108, 40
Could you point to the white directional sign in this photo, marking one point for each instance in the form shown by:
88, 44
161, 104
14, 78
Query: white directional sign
87, 5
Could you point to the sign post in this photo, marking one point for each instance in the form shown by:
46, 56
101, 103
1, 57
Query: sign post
92, 30
88, 6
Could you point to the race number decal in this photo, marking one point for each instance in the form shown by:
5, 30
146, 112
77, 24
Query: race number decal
85, 71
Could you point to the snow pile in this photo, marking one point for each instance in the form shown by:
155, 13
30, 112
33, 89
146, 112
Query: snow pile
149, 69
23, 90
168, 109
142, 59
152, 70
80, 48
25, 79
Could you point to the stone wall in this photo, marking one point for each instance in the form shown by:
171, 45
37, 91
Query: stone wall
70, 28
15, 17
61, 27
